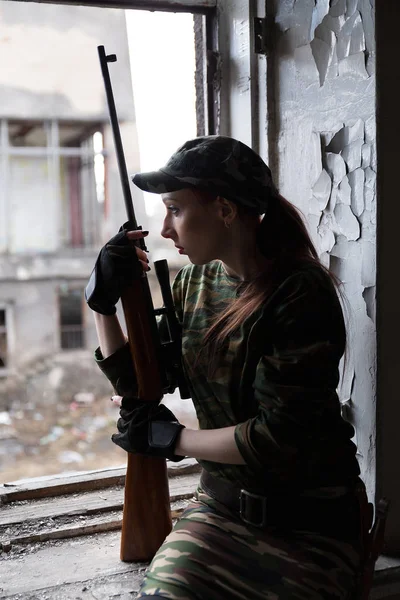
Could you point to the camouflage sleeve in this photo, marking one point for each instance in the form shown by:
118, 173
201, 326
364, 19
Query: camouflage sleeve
119, 370
179, 287
296, 379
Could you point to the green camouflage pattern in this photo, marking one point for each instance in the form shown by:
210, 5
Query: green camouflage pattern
276, 378
219, 165
211, 555
275, 381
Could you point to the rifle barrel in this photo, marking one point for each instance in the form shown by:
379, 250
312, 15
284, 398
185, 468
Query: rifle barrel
104, 60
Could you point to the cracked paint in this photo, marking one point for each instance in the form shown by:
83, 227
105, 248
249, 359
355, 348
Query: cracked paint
335, 166
344, 192
351, 7
356, 180
365, 155
337, 8
353, 66
351, 39
344, 196
337, 34
322, 190
347, 379
345, 136
369, 299
327, 237
320, 10
351, 154
327, 159
323, 46
347, 222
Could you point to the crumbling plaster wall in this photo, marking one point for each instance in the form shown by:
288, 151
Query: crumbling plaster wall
325, 152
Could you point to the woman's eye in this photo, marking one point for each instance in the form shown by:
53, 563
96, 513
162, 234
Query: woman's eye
173, 209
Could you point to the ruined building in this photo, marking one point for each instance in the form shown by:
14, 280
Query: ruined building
60, 195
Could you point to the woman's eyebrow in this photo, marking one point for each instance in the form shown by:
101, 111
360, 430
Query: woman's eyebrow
170, 199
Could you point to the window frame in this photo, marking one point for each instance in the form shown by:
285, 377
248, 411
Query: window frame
10, 333
52, 152
230, 108
236, 77
193, 6
69, 288
233, 107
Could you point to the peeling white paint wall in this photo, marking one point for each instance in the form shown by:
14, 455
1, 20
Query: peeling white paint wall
325, 94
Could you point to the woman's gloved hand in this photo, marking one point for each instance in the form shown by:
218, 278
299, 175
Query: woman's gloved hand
118, 263
147, 428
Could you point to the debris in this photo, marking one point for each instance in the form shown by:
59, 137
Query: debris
70, 456
5, 418
18, 414
6, 546
84, 397
55, 433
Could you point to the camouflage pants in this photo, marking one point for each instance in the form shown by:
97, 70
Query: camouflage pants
210, 555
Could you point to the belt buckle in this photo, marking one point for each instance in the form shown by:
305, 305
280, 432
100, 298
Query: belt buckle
243, 500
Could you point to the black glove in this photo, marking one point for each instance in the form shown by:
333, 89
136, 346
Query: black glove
116, 266
147, 428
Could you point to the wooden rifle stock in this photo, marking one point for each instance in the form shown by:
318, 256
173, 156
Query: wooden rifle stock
146, 515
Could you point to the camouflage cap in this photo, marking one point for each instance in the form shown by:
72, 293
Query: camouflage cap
217, 164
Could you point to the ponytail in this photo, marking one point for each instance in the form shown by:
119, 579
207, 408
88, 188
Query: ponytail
283, 235
282, 238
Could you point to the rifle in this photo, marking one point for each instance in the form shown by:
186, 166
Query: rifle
146, 517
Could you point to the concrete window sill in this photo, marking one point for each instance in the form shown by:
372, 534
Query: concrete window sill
60, 537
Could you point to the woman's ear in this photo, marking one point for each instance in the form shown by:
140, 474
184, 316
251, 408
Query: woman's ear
227, 210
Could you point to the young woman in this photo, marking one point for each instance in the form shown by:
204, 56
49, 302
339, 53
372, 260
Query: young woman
277, 512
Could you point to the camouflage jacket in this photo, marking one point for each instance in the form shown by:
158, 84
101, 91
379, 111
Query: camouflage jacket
275, 379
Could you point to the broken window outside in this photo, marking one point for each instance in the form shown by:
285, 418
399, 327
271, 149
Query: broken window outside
47, 161
83, 190
29, 134
3, 339
61, 200
71, 319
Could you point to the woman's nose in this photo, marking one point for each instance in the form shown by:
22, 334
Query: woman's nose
165, 230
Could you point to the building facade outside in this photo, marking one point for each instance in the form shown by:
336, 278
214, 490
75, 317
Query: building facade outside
60, 200
60, 197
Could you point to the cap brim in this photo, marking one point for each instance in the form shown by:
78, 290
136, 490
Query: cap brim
158, 182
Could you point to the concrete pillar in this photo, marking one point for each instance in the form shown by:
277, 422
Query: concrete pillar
388, 287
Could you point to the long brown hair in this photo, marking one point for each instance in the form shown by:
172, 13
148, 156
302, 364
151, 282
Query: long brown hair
283, 238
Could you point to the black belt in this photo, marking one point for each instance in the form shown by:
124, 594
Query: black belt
337, 517
252, 508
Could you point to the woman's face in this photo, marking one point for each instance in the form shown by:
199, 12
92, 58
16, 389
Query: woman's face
195, 225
